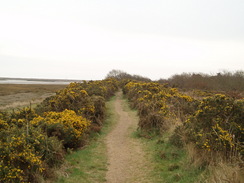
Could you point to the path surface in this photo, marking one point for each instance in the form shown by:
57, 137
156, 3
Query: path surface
127, 162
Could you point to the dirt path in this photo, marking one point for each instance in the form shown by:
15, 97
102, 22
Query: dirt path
127, 162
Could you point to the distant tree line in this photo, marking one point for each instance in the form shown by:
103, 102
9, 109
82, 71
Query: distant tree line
120, 75
223, 81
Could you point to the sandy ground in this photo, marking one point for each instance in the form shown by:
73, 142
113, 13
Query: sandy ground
127, 162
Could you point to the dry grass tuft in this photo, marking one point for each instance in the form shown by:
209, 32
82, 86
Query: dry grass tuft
219, 170
226, 173
195, 157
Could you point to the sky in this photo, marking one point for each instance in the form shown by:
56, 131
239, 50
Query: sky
85, 39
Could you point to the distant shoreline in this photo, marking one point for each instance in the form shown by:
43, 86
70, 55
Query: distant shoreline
39, 79
5, 80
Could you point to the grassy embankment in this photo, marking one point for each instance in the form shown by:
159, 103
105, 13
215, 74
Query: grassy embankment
90, 163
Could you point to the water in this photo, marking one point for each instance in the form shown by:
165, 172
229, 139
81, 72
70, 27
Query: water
13, 81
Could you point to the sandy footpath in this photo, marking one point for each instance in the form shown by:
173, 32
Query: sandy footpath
127, 162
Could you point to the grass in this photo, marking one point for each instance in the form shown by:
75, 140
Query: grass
171, 164
90, 163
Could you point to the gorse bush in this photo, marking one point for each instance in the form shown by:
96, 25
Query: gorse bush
66, 126
213, 124
157, 103
73, 97
104, 88
18, 159
26, 150
98, 111
86, 99
217, 125
21, 117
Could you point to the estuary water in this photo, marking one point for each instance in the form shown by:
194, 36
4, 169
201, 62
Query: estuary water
10, 81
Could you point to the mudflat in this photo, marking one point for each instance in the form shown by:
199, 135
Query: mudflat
19, 95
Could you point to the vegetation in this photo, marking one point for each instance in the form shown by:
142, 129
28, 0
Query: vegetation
157, 104
217, 126
171, 163
14, 96
35, 140
7, 89
212, 125
203, 115
121, 75
230, 82
90, 164
26, 151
